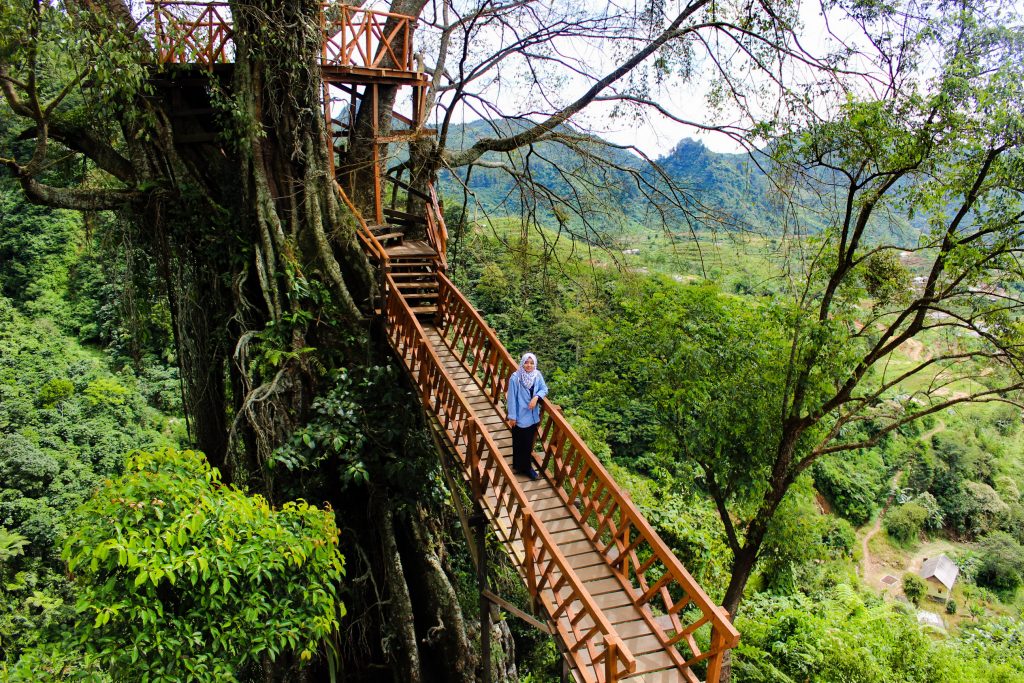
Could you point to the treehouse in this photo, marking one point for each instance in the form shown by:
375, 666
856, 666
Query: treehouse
602, 583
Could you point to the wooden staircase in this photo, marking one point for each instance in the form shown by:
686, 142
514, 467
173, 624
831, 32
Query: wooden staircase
620, 603
415, 278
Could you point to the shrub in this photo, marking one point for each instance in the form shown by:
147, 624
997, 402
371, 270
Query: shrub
24, 467
914, 587
182, 577
951, 606
851, 489
11, 545
904, 523
55, 391
935, 519
986, 509
1002, 562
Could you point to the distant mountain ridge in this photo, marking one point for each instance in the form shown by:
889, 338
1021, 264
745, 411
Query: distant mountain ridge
615, 184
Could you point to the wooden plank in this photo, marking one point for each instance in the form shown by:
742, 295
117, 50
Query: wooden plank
599, 582
641, 645
656, 661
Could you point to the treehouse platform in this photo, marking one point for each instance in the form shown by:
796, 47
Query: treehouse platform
619, 603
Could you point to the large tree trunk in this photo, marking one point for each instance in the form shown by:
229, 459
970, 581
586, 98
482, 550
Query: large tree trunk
268, 289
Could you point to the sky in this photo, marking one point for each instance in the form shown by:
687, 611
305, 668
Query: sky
652, 133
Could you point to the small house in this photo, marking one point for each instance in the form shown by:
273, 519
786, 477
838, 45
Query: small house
939, 574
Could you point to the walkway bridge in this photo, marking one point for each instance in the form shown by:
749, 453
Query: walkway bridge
601, 581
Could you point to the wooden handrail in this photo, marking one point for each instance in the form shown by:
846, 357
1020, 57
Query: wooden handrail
364, 40
192, 32
548, 574
654, 577
407, 187
364, 233
437, 231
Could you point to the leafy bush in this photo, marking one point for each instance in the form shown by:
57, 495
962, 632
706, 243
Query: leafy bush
55, 391
851, 487
1002, 562
11, 545
914, 587
25, 467
986, 509
843, 635
935, 519
996, 641
182, 577
905, 522
951, 606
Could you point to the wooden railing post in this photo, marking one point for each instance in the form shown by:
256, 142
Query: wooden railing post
530, 553
473, 458
718, 643
611, 659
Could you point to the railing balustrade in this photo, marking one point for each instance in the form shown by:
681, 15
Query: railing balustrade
654, 577
548, 575
437, 231
191, 32
353, 36
365, 235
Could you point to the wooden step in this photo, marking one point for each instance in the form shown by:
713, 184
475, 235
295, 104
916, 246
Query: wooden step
413, 285
412, 274
418, 269
424, 310
420, 299
390, 236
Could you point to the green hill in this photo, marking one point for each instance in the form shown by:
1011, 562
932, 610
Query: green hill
614, 187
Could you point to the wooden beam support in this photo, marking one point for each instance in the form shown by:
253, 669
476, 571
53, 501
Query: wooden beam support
512, 609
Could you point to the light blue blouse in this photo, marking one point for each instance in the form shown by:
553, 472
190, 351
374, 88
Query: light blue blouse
519, 400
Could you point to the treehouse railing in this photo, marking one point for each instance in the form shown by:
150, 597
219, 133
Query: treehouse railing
671, 601
185, 32
437, 231
192, 32
362, 37
548, 575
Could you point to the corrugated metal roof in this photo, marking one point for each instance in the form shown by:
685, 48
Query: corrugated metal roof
942, 568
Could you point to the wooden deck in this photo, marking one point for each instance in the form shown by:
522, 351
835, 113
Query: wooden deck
410, 248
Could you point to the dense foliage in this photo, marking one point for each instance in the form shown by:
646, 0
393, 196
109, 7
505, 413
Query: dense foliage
68, 415
844, 635
182, 576
612, 346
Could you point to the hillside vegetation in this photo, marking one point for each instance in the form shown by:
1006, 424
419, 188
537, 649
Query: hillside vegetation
811, 616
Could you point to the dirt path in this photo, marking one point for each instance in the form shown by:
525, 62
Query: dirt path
871, 572
865, 554
940, 426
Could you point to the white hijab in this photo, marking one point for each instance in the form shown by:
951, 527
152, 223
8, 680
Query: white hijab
527, 378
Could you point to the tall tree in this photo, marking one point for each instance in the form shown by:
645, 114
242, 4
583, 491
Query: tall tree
908, 224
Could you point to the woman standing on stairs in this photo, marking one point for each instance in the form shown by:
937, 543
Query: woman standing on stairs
526, 388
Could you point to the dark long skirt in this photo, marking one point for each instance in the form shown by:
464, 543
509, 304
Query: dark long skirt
522, 447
